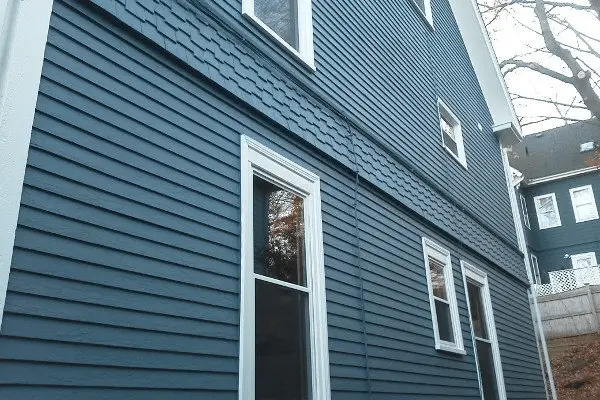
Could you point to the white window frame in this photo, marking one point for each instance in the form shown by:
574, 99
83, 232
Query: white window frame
458, 346
535, 266
444, 110
572, 191
258, 160
306, 51
537, 201
591, 255
524, 210
480, 277
427, 12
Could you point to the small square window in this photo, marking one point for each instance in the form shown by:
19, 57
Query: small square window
452, 138
289, 22
442, 298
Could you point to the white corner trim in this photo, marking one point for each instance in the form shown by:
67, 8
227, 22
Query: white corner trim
24, 49
563, 175
306, 51
480, 277
485, 64
443, 255
258, 160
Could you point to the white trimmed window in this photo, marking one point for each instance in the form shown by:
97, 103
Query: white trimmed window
451, 130
535, 270
584, 203
547, 211
442, 298
289, 22
424, 7
283, 322
524, 210
483, 331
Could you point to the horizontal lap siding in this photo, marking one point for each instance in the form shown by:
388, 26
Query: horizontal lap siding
125, 276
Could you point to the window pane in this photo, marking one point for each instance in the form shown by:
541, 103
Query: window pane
477, 311
444, 321
278, 233
449, 135
582, 196
547, 204
586, 211
584, 262
438, 282
487, 371
282, 343
281, 16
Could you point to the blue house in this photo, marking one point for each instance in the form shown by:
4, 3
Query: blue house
558, 186
258, 199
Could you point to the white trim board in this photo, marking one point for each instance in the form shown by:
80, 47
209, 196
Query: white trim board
24, 48
563, 175
258, 160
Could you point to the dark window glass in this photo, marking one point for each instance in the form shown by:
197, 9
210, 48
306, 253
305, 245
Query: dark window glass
281, 16
438, 281
282, 344
444, 321
477, 311
278, 233
487, 371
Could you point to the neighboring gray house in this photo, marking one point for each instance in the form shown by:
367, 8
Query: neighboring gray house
558, 191
258, 199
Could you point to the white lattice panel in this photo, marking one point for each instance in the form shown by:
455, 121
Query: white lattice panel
543, 290
569, 279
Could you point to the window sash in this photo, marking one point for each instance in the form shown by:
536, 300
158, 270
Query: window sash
547, 211
537, 279
433, 251
584, 203
258, 160
452, 136
525, 211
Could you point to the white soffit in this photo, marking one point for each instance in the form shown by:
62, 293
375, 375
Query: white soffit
485, 64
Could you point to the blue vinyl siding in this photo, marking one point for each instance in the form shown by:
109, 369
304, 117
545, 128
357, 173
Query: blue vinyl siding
551, 245
125, 274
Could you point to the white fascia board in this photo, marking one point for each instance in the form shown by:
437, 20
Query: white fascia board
487, 69
23, 55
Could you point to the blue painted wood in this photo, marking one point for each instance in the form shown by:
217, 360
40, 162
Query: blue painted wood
553, 244
125, 274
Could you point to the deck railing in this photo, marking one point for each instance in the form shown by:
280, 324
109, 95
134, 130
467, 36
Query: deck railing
569, 279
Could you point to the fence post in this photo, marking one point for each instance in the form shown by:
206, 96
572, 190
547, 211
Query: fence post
590, 297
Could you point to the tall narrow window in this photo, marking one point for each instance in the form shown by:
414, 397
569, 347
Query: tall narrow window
584, 203
483, 330
283, 317
452, 137
289, 22
442, 298
525, 212
547, 211
535, 270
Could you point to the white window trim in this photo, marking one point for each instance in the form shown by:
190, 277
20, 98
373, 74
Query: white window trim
480, 277
443, 345
524, 210
460, 147
537, 278
572, 193
306, 51
536, 202
591, 255
258, 160
427, 13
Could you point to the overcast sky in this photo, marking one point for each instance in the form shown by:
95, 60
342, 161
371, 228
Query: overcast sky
514, 33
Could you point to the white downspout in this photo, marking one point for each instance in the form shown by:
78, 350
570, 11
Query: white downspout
535, 312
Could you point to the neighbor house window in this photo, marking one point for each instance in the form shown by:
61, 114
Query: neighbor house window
587, 146
483, 330
525, 212
442, 298
547, 211
535, 270
283, 328
452, 138
424, 7
289, 22
584, 203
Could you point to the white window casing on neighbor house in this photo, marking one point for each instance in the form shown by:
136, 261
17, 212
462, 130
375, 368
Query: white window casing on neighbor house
442, 298
282, 279
451, 131
584, 260
584, 203
483, 331
288, 22
547, 212
525, 211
